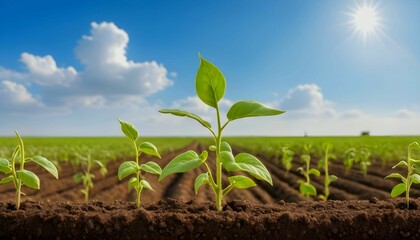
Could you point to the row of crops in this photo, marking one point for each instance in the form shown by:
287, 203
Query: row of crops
381, 148
306, 155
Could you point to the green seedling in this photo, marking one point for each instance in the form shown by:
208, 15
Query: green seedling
19, 175
305, 187
86, 177
412, 166
361, 157
349, 158
287, 158
210, 86
128, 168
364, 160
323, 163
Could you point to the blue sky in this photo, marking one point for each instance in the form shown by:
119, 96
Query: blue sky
73, 67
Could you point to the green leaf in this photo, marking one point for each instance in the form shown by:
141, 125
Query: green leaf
305, 158
247, 163
151, 167
321, 163
249, 108
78, 177
212, 148
133, 183
146, 184
210, 84
28, 178
47, 165
183, 163
401, 163
228, 161
201, 180
314, 171
6, 180
307, 189
183, 113
333, 178
149, 149
224, 146
398, 189
102, 168
415, 178
127, 168
396, 175
5, 166
241, 182
129, 130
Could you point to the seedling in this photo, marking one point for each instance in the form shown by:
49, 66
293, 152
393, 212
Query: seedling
349, 158
20, 176
210, 86
412, 166
86, 177
132, 167
361, 157
287, 158
364, 160
305, 187
323, 163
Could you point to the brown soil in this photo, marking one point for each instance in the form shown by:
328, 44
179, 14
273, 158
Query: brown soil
275, 212
172, 219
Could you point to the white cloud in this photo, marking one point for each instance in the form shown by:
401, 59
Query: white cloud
10, 74
16, 96
306, 99
405, 113
109, 72
44, 70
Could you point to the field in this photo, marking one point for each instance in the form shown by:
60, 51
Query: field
176, 190
351, 185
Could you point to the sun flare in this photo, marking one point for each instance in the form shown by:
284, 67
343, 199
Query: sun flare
366, 20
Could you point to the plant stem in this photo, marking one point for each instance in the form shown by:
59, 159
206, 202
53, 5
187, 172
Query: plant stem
87, 193
22, 163
89, 165
327, 176
138, 174
408, 183
307, 178
219, 187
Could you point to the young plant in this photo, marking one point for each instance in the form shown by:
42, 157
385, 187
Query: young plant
361, 157
305, 187
19, 175
132, 167
349, 158
363, 160
210, 86
412, 166
323, 163
287, 158
86, 177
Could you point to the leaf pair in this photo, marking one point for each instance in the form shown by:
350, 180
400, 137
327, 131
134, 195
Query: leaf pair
27, 177
130, 167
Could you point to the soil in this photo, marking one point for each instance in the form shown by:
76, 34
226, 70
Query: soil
173, 211
172, 219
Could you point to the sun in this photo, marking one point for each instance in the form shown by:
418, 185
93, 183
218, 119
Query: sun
366, 20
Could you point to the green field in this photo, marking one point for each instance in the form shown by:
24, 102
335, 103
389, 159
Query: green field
109, 148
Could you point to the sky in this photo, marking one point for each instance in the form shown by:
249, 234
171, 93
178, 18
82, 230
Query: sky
72, 68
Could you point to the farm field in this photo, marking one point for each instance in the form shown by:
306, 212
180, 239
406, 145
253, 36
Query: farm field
111, 212
351, 185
